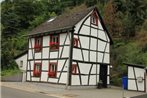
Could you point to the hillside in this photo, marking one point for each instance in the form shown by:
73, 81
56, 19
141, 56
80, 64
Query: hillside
126, 20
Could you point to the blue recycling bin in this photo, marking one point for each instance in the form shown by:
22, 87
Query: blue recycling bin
125, 82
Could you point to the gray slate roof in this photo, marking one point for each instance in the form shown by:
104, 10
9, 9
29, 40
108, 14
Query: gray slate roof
62, 21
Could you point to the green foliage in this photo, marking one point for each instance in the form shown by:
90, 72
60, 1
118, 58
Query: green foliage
9, 72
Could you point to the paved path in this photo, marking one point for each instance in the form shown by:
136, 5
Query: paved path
59, 91
15, 93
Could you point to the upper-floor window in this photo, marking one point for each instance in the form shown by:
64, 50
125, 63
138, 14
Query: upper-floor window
74, 69
94, 18
52, 70
75, 42
37, 70
54, 42
38, 44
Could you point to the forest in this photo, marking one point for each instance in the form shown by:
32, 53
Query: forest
126, 21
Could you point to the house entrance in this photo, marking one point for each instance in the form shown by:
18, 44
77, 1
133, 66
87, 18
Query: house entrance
103, 75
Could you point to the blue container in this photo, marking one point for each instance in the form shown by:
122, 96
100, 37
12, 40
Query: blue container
125, 82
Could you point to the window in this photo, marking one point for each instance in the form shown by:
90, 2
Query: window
21, 64
37, 70
74, 69
94, 19
54, 42
38, 44
75, 42
52, 70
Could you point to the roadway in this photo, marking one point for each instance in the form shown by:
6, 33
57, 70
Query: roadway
7, 92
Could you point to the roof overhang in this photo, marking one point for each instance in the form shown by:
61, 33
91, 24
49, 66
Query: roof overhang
135, 65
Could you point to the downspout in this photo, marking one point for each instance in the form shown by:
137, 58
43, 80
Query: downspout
68, 83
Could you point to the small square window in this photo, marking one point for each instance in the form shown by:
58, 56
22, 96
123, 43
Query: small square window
74, 69
37, 70
54, 42
38, 44
75, 42
21, 64
52, 73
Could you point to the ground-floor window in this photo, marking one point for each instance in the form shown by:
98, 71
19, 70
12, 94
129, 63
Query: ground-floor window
52, 70
37, 70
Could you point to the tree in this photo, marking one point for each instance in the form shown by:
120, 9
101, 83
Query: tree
112, 19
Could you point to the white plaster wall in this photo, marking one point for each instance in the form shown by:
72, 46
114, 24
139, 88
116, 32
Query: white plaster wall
93, 56
139, 72
35, 78
38, 55
65, 51
63, 78
28, 76
130, 72
87, 22
93, 45
102, 35
93, 70
45, 65
54, 54
85, 30
45, 53
106, 58
101, 45
84, 68
77, 55
31, 53
31, 42
24, 59
84, 79
75, 80
132, 85
99, 25
84, 42
46, 40
85, 53
94, 32
44, 76
92, 80
108, 48
100, 57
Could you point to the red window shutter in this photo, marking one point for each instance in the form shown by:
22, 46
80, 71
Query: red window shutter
75, 42
74, 69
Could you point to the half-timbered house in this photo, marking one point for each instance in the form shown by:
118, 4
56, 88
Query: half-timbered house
71, 49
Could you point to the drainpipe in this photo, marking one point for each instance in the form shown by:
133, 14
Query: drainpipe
68, 83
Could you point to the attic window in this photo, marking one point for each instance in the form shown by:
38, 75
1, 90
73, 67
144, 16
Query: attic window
94, 19
54, 42
37, 70
38, 44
